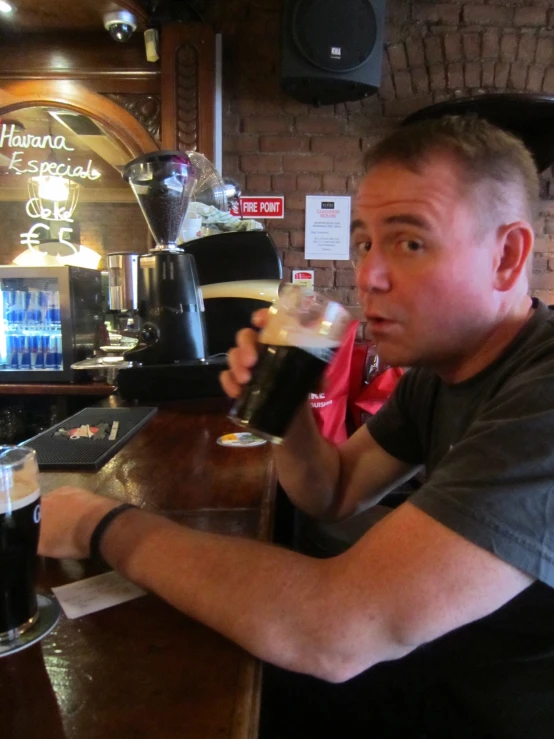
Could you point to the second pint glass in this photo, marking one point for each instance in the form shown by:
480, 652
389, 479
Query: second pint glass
19, 531
300, 338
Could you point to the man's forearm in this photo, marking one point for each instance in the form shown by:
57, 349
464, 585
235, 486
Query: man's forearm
308, 467
279, 605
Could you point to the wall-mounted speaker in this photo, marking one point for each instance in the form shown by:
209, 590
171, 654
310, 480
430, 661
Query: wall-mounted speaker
331, 50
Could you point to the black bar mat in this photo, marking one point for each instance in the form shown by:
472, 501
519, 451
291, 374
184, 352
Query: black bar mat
55, 451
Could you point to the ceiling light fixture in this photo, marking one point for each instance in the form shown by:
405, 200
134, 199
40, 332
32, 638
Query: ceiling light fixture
5, 7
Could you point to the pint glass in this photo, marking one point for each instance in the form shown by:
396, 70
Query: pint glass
19, 530
300, 338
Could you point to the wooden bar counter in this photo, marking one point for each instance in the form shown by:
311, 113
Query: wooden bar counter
142, 669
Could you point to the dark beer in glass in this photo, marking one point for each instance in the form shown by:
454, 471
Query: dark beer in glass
19, 532
302, 333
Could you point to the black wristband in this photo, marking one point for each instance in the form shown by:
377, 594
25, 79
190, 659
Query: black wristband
100, 530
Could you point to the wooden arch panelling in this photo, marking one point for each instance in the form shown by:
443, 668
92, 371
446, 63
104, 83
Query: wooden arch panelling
73, 96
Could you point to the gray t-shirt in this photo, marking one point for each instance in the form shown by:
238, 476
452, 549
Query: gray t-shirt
488, 448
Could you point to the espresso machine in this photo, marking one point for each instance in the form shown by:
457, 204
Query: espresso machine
177, 356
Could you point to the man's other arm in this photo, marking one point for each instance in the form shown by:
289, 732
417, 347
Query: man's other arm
408, 581
333, 482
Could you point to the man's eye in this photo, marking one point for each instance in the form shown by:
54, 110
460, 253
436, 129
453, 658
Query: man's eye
411, 245
358, 249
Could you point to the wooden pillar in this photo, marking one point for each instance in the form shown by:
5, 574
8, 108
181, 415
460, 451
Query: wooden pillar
188, 88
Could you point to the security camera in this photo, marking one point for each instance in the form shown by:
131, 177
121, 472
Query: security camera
120, 25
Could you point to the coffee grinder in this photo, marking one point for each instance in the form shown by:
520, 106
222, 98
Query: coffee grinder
172, 338
170, 302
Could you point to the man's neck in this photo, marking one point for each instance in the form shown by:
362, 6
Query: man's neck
491, 345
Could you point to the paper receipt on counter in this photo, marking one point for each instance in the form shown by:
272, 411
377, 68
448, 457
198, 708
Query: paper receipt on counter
95, 594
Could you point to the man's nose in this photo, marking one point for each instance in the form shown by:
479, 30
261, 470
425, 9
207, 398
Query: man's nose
372, 272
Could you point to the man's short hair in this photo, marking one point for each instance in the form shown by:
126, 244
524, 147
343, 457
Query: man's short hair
487, 155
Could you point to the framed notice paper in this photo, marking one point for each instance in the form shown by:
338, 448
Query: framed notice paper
327, 233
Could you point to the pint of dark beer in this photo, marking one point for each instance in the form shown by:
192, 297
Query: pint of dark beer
19, 531
302, 333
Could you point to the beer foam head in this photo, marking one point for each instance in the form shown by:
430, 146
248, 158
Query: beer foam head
18, 478
305, 319
20, 493
284, 330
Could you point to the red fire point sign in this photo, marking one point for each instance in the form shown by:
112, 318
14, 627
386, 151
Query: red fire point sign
260, 206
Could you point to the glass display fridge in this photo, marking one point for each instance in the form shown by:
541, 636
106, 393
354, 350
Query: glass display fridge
51, 317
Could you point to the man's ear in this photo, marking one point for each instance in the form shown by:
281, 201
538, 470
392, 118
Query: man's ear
515, 243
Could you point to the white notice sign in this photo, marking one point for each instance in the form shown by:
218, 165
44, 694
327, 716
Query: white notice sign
327, 227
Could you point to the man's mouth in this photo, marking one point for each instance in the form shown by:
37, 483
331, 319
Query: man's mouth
377, 318
378, 323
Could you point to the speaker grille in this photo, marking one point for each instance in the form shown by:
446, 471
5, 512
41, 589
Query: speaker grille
334, 36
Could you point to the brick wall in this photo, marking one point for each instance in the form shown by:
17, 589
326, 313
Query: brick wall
433, 51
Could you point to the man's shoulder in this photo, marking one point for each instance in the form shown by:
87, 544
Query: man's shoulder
535, 352
420, 380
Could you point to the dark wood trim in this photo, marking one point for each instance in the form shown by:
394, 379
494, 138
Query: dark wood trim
101, 85
188, 87
32, 16
84, 75
80, 55
96, 389
119, 85
73, 96
104, 85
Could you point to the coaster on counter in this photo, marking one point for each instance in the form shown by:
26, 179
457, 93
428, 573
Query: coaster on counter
240, 439
48, 615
